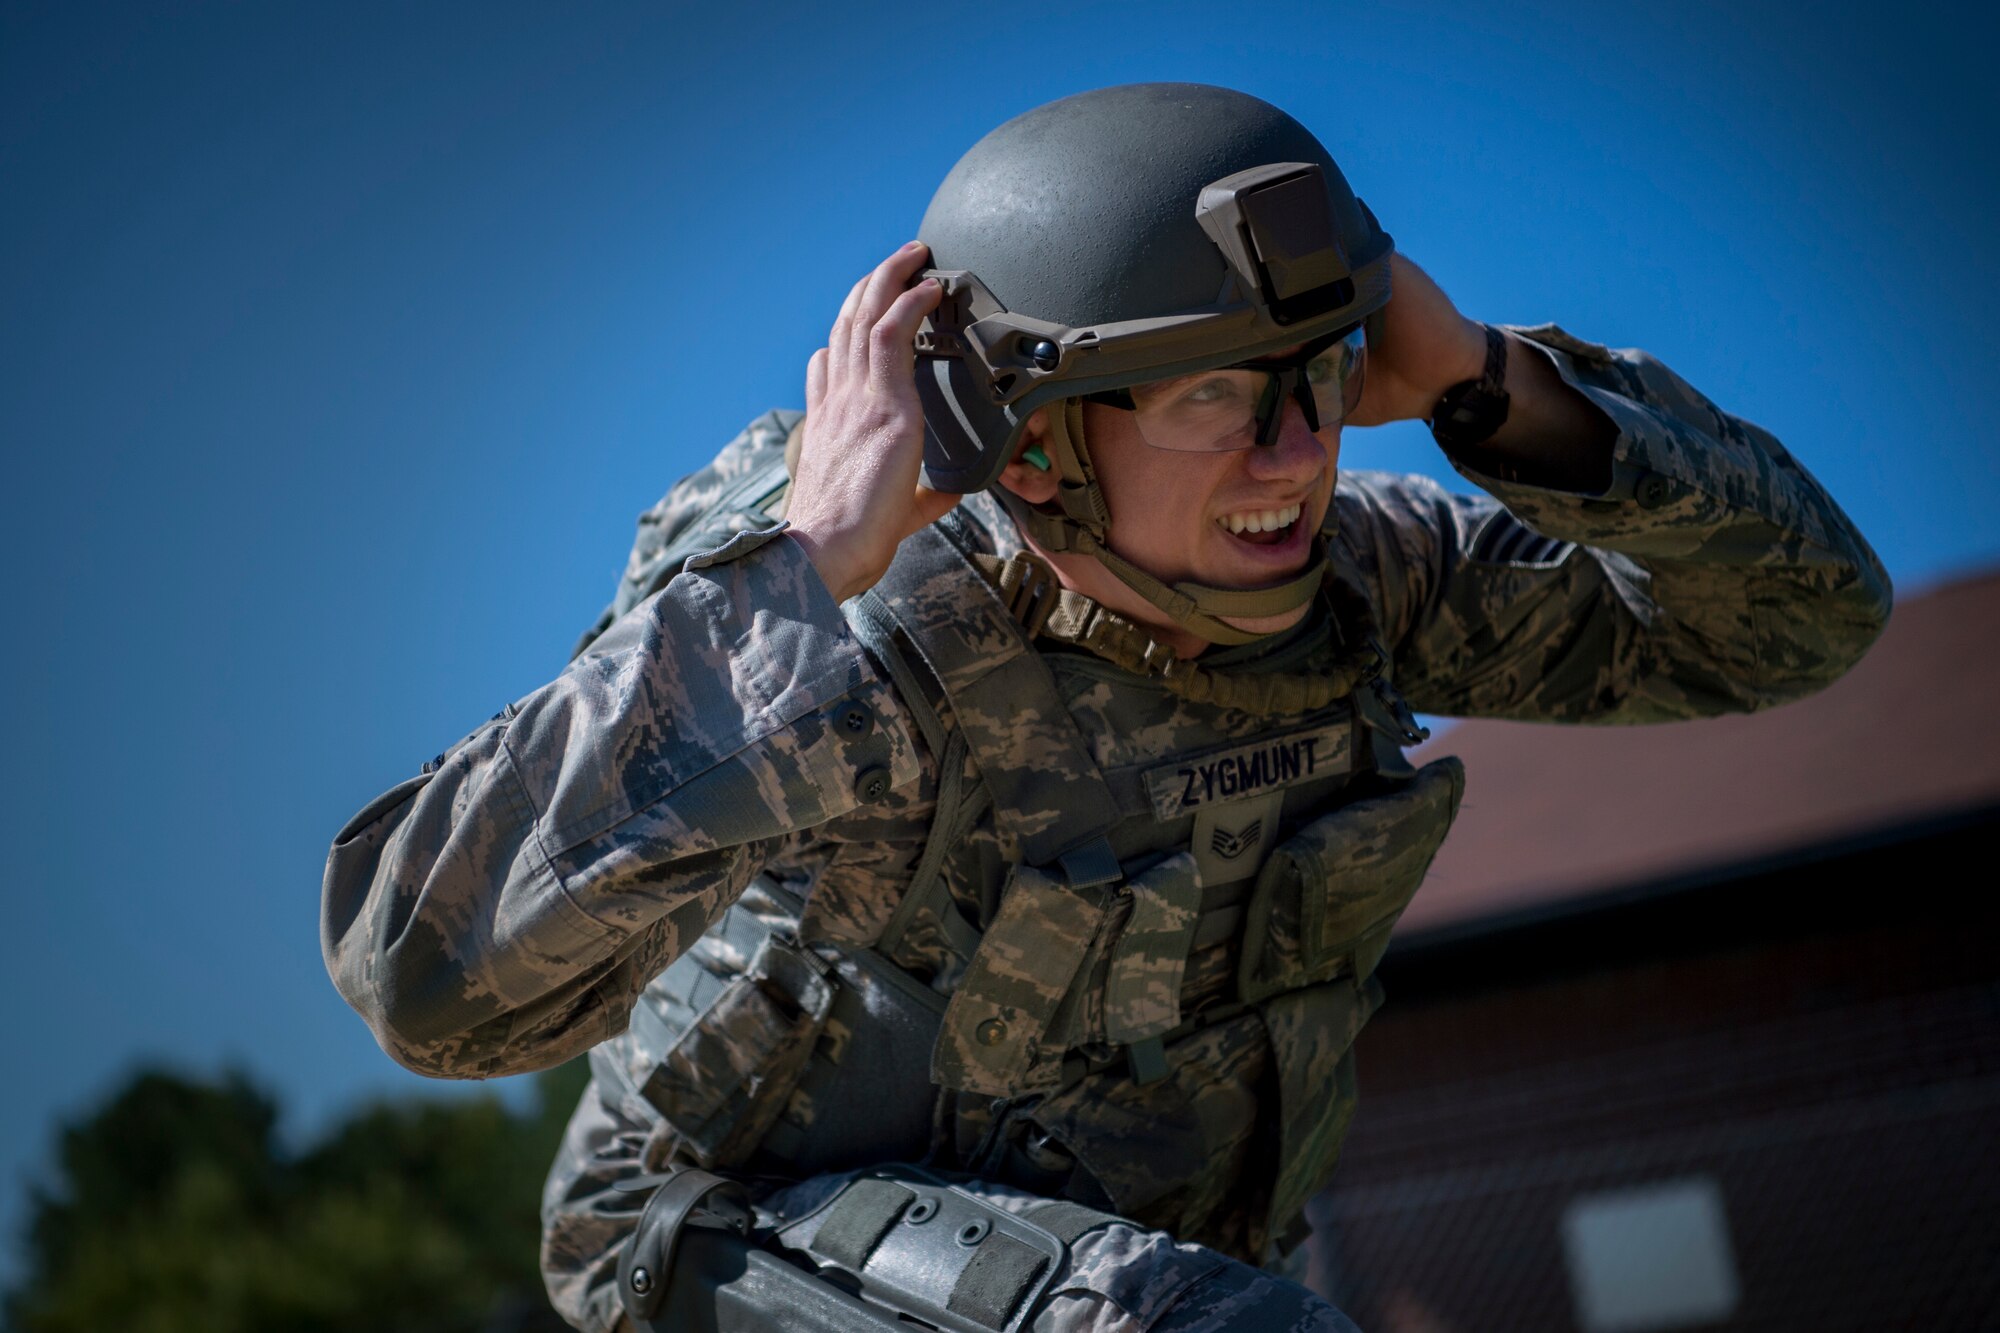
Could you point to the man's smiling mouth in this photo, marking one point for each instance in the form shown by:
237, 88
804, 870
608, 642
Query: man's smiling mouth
1261, 527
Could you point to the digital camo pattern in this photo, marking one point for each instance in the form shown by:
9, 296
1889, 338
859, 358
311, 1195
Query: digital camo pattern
585, 1217
1312, 1034
723, 1082
702, 496
1142, 993
1029, 753
1190, 1153
1328, 897
503, 912
505, 908
1000, 1015
1715, 576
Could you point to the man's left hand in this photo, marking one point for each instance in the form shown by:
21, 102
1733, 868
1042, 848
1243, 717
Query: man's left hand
1426, 347
1553, 436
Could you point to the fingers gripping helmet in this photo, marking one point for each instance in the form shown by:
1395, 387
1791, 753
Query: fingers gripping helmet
1120, 236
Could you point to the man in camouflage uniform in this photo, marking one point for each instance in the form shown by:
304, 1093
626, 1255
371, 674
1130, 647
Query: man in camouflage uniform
877, 746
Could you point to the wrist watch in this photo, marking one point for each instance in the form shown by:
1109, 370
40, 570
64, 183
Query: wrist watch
1471, 410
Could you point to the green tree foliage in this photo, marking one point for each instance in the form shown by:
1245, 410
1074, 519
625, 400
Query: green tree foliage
177, 1211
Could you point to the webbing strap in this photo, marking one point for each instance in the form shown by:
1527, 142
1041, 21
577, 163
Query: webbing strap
1089, 864
1002, 1271
961, 934
866, 1211
872, 622
869, 618
937, 842
1066, 1220
1070, 617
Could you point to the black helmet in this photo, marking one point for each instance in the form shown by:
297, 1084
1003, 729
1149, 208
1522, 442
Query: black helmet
1115, 237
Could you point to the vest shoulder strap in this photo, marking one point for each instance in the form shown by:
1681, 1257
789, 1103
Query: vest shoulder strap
921, 695
1050, 802
1052, 810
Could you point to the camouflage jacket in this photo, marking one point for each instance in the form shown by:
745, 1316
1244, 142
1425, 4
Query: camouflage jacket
504, 909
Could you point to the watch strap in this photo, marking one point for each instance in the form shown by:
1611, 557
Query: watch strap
1470, 411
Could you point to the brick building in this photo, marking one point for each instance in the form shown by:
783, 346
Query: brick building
1698, 1027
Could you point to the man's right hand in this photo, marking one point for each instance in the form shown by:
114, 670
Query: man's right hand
857, 492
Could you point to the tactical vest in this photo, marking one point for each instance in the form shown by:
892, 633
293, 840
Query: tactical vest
1168, 935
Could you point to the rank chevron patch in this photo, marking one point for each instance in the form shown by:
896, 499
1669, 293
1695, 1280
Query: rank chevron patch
1230, 845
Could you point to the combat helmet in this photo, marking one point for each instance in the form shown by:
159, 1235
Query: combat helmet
1121, 236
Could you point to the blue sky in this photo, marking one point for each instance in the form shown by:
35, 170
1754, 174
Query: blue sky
340, 346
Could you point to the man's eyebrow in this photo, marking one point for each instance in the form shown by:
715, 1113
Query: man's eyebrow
1150, 387
1158, 386
1175, 379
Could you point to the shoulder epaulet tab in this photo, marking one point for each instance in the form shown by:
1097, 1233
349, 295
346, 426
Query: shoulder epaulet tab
742, 490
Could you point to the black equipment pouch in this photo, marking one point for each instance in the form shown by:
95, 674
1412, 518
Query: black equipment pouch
689, 1198
717, 1055
922, 1247
864, 1093
893, 1249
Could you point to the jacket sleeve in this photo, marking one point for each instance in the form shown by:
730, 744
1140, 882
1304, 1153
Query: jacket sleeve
499, 912
1714, 575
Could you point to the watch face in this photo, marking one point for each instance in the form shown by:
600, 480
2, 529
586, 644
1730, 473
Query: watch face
1468, 413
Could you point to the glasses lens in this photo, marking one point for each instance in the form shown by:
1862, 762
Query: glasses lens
1213, 411
1218, 410
1335, 377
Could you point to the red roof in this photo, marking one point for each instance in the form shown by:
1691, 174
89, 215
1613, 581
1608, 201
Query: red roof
1558, 813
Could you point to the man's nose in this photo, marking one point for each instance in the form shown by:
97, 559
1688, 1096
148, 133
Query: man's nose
1296, 455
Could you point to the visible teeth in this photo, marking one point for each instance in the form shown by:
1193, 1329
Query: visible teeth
1263, 520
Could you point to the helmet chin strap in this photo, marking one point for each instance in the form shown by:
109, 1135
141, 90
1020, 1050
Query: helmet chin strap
1082, 520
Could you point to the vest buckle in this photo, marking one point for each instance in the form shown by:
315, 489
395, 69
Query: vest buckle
1029, 588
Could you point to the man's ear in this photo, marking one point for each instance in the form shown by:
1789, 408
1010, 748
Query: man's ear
1036, 485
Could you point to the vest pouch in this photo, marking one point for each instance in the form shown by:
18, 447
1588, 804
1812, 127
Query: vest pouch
1328, 897
1129, 983
996, 1037
725, 1079
1312, 1032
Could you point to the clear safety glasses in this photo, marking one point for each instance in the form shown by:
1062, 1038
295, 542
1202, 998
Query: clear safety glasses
1235, 407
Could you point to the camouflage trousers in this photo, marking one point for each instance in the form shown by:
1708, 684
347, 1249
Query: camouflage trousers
1119, 1278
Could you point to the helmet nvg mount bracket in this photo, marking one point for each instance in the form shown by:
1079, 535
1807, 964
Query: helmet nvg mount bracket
1119, 236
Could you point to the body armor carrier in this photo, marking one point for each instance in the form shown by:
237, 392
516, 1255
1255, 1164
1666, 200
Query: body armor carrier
1165, 962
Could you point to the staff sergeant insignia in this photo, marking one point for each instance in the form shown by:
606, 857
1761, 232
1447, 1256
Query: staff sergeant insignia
1233, 845
1249, 769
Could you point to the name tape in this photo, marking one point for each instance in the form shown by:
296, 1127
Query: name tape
1279, 761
